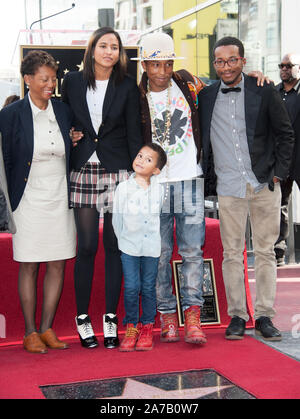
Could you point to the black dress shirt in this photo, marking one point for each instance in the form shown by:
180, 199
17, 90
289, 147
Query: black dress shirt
289, 97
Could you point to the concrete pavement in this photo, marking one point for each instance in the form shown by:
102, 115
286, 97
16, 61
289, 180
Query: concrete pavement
287, 305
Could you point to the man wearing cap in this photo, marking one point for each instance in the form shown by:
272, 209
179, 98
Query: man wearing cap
289, 90
169, 116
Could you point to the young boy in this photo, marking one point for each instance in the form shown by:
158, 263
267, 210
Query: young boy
136, 221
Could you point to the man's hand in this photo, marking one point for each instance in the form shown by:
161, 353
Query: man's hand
261, 78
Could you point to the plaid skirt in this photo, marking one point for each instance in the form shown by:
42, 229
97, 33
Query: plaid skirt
93, 187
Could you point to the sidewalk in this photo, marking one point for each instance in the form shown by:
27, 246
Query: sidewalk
287, 305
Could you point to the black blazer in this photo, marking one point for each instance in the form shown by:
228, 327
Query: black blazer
119, 138
295, 120
269, 132
7, 223
16, 126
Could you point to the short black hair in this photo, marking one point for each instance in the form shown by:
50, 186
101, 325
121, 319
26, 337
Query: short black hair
161, 154
36, 59
230, 40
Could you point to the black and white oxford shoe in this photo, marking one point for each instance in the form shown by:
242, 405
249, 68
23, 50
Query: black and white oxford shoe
85, 331
110, 330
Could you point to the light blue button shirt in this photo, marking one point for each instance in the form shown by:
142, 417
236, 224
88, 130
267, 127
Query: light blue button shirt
230, 146
136, 217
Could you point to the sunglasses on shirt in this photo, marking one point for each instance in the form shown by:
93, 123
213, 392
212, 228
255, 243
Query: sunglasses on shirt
287, 66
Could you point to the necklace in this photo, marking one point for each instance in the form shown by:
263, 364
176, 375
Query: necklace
162, 137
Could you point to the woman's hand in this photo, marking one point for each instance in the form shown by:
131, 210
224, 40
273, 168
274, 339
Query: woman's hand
75, 136
261, 78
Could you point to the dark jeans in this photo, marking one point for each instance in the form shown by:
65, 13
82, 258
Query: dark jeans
139, 280
286, 190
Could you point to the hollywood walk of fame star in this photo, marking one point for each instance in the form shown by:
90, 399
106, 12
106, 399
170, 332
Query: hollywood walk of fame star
136, 390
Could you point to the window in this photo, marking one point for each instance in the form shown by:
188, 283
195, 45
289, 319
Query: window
134, 23
134, 6
253, 10
271, 63
272, 35
272, 8
148, 16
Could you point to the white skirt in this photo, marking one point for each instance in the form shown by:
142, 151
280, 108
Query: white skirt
45, 225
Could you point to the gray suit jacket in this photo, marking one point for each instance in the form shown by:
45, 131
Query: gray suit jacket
4, 201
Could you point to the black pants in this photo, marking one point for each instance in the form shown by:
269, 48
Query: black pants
87, 223
286, 190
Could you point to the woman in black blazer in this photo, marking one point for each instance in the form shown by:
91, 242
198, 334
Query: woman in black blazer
105, 102
36, 151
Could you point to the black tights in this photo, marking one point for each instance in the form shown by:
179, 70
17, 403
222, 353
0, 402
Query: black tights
87, 224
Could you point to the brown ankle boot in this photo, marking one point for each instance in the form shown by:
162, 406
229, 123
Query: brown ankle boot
50, 339
32, 343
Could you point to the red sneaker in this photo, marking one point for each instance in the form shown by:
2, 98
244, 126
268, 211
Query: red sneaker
169, 328
192, 327
130, 338
145, 339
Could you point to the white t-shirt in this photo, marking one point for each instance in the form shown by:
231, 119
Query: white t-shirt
182, 151
95, 99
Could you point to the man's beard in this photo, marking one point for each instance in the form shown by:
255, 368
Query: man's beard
230, 82
289, 80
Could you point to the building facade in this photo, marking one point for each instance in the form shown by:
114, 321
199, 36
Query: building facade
194, 26
260, 29
267, 28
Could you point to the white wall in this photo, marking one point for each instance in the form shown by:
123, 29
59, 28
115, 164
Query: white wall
296, 204
8, 89
290, 30
107, 4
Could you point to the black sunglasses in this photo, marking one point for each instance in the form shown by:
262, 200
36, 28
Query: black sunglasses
288, 66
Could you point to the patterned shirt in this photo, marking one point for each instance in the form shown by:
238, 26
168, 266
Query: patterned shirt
181, 150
